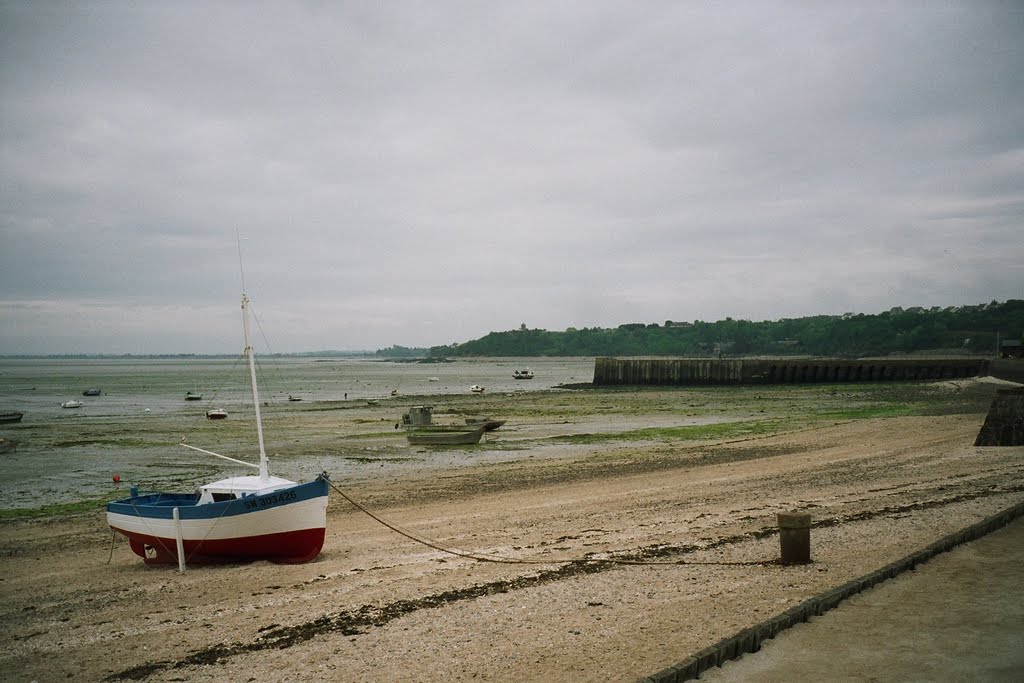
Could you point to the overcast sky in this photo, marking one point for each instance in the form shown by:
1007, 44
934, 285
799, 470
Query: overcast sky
423, 173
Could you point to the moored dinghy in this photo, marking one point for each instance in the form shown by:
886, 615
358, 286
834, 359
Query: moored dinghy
259, 517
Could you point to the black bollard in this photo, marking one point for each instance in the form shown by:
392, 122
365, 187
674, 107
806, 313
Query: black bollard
795, 537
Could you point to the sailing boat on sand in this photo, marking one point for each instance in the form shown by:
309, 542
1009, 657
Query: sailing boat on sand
257, 517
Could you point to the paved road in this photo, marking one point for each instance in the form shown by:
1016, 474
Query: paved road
959, 617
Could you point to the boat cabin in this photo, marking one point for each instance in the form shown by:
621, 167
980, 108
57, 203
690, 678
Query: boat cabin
240, 487
418, 416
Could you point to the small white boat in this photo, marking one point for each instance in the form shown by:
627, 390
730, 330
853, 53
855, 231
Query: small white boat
477, 389
526, 373
71, 404
216, 414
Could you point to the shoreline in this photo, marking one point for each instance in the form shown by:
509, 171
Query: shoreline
377, 606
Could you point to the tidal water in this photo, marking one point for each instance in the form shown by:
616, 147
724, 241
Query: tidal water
66, 455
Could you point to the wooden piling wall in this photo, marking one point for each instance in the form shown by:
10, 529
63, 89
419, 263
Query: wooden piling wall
709, 371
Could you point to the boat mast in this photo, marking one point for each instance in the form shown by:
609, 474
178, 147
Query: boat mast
264, 466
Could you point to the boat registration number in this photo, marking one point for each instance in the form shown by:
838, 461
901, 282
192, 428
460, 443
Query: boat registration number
272, 499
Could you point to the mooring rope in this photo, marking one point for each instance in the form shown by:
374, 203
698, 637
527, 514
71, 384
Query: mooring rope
113, 540
480, 557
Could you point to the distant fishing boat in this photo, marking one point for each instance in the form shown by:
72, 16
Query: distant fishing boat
91, 392
71, 404
10, 417
239, 518
192, 396
438, 435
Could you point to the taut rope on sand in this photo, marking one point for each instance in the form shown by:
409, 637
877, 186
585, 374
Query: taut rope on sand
506, 560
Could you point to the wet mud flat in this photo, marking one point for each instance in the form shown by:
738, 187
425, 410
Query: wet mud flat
631, 550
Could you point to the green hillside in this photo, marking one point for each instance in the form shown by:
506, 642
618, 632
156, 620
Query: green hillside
961, 329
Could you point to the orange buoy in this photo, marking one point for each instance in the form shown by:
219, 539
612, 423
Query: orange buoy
117, 478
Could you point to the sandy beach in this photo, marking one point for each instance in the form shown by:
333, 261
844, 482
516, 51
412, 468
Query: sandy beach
689, 523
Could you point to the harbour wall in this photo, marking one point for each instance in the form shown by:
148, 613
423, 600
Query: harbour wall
711, 371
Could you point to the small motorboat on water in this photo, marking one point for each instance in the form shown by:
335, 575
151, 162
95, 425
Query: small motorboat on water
71, 404
258, 517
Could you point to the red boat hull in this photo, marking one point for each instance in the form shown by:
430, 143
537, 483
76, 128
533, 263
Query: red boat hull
293, 547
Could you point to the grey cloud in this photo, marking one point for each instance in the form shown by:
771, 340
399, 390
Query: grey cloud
421, 174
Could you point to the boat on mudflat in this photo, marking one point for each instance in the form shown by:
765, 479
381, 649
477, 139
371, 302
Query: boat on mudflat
216, 414
10, 417
488, 424
91, 392
71, 404
444, 435
193, 396
256, 517
526, 373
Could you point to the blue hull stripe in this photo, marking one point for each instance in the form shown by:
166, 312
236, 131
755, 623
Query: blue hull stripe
161, 505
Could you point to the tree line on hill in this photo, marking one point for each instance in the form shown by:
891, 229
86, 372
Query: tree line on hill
965, 329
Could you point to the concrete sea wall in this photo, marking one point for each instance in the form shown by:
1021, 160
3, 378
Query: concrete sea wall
749, 640
705, 371
1004, 424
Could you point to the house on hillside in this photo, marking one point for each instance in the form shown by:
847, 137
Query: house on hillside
1011, 348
